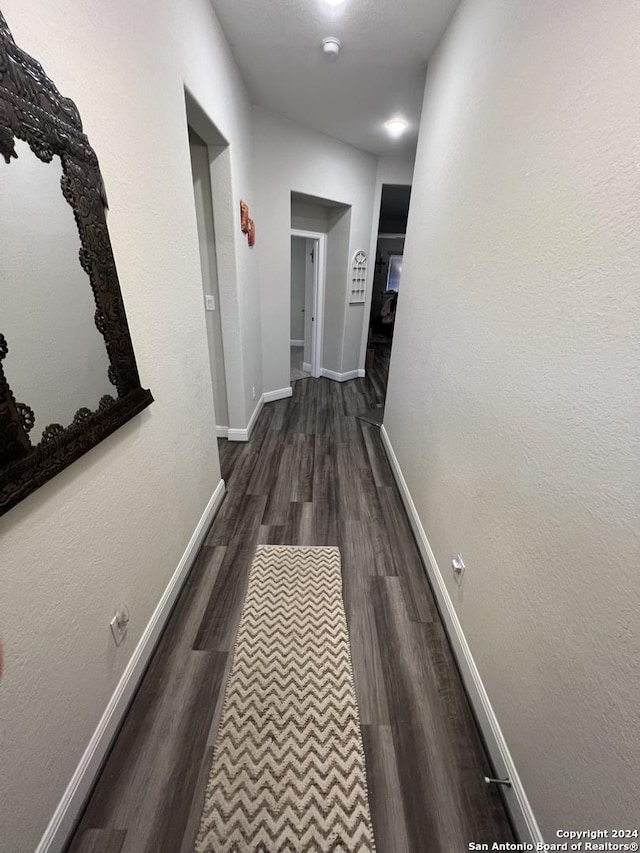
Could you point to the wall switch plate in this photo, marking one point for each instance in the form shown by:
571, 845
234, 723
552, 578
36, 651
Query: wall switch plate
253, 392
209, 302
119, 624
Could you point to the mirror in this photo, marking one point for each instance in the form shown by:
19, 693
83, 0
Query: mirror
68, 375
57, 362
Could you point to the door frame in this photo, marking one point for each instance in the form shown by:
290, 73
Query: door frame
211, 287
317, 321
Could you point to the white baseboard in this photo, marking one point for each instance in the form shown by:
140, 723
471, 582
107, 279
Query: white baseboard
280, 394
69, 809
306, 366
267, 397
342, 377
245, 434
517, 802
296, 343
222, 431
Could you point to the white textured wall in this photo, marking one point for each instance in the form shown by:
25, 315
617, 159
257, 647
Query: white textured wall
203, 58
514, 396
97, 535
308, 216
58, 363
342, 323
290, 158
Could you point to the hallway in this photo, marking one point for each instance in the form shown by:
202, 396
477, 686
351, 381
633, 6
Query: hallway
148, 311
313, 473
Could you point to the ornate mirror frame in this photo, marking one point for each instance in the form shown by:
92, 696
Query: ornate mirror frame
32, 109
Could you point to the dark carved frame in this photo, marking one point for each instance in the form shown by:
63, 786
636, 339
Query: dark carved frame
32, 109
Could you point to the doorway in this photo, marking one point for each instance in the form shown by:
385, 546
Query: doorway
307, 299
392, 227
202, 156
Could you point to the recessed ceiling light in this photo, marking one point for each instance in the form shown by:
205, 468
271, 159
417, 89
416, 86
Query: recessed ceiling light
396, 126
333, 2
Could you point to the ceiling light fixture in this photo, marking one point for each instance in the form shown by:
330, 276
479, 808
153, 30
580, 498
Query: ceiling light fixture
333, 2
331, 47
396, 126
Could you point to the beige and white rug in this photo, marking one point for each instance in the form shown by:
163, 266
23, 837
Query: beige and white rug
288, 771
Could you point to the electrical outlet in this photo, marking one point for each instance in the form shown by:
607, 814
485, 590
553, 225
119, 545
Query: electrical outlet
119, 624
253, 391
209, 302
458, 566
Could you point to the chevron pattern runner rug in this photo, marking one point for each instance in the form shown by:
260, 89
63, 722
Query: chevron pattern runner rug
288, 772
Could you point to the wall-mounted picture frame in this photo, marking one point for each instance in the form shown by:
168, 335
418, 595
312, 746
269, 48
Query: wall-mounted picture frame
33, 111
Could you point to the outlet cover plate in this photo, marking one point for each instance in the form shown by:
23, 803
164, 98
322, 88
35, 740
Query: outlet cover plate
118, 628
458, 566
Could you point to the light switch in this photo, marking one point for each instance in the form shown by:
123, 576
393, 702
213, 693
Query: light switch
209, 302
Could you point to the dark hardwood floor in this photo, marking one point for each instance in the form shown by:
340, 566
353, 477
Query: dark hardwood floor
313, 473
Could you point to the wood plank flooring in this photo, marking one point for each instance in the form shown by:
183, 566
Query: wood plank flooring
313, 473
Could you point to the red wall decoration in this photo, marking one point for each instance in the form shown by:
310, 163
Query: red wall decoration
246, 224
244, 217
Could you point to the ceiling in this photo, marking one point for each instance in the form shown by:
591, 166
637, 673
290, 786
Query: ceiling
379, 74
